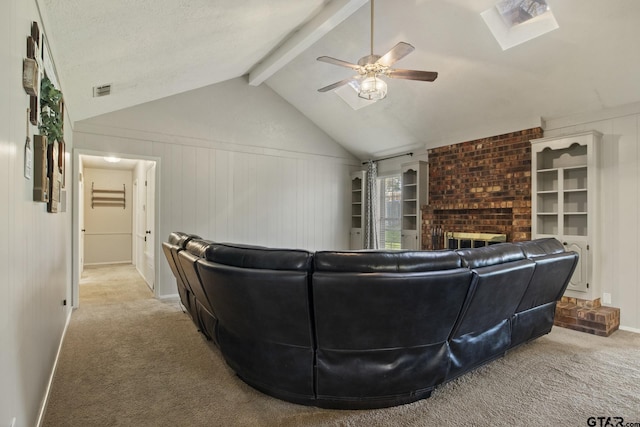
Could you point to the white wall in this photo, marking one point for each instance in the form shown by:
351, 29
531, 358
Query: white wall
108, 235
35, 246
619, 203
236, 163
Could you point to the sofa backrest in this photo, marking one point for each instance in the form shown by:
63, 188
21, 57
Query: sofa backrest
175, 243
261, 299
501, 276
554, 268
187, 258
372, 261
259, 257
382, 319
541, 247
499, 253
364, 291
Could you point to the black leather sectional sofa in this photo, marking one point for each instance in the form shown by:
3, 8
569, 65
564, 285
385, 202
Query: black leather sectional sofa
366, 329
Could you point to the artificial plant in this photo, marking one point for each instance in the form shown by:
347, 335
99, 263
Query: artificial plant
50, 115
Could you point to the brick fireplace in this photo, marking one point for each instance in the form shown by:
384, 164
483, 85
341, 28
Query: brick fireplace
481, 186
484, 186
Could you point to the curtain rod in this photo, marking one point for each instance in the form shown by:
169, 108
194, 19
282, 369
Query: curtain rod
387, 158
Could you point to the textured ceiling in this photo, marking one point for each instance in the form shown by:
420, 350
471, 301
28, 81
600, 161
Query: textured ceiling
153, 49
149, 49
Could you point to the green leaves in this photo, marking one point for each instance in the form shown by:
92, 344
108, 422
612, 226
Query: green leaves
50, 111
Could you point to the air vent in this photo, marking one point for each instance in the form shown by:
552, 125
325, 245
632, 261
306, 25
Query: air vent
103, 90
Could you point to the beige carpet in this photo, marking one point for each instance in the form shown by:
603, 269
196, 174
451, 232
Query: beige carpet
130, 360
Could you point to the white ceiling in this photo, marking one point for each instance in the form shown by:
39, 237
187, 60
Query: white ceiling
150, 49
98, 162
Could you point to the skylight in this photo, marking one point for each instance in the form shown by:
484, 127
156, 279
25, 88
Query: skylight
513, 22
516, 12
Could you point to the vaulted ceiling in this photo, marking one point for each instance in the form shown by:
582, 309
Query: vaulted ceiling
150, 49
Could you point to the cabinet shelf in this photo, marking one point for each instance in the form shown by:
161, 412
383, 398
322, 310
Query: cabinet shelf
358, 195
564, 203
414, 193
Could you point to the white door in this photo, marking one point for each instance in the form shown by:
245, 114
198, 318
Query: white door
139, 222
81, 224
409, 240
579, 280
149, 261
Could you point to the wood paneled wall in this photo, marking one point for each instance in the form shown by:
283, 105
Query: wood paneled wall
619, 230
263, 197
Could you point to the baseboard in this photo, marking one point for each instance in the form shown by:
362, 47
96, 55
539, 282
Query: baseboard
170, 298
47, 391
89, 264
628, 329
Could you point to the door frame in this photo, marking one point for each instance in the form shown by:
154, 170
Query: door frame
150, 176
75, 229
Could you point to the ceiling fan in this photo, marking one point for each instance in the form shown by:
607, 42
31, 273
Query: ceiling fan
371, 67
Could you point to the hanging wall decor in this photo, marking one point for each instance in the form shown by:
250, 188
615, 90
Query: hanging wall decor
28, 154
40, 169
32, 71
54, 177
46, 110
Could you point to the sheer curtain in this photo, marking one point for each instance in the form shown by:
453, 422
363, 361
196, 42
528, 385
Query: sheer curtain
371, 237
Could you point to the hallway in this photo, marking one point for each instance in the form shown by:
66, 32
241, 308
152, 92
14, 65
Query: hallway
123, 359
108, 284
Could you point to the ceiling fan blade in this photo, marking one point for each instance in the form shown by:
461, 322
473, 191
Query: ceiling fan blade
339, 62
425, 76
336, 84
396, 53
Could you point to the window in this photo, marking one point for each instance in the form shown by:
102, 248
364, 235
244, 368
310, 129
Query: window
389, 211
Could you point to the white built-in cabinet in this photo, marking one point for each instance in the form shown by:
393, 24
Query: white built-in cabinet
414, 182
564, 205
358, 202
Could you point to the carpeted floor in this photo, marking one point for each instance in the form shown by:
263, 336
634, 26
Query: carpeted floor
130, 360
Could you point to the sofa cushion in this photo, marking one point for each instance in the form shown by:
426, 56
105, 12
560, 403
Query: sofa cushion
198, 247
541, 247
247, 256
264, 320
490, 255
180, 239
386, 261
550, 279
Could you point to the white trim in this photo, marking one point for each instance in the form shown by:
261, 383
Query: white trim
153, 137
169, 298
628, 329
107, 263
47, 391
77, 152
589, 118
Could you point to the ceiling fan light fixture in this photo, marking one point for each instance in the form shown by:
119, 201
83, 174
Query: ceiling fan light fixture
373, 88
371, 67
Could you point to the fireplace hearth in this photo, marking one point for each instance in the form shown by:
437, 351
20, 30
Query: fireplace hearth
459, 240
